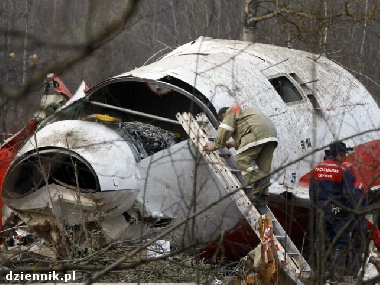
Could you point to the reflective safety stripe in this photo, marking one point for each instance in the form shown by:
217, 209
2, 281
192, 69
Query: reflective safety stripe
256, 143
332, 164
236, 108
249, 169
227, 127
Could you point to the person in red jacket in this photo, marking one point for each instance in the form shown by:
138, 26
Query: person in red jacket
332, 193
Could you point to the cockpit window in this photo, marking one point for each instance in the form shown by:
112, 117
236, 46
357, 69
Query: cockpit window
286, 89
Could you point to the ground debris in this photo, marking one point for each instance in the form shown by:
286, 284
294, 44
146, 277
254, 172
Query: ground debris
173, 269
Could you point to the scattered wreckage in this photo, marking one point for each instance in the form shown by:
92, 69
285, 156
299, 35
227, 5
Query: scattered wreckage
55, 95
116, 158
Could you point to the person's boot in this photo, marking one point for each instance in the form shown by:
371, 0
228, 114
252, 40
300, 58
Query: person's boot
260, 192
259, 200
256, 198
357, 261
338, 263
261, 186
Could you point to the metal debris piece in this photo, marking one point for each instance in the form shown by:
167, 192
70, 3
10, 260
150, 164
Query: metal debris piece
147, 139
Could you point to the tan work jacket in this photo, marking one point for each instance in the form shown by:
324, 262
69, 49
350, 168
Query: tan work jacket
248, 127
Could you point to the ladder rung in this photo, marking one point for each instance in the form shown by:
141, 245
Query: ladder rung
236, 171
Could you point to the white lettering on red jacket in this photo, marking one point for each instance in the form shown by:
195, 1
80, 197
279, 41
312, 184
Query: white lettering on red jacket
331, 172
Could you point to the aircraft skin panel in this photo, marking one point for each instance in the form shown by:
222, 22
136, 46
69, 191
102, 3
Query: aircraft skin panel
330, 80
267, 55
80, 93
168, 190
346, 122
333, 85
63, 203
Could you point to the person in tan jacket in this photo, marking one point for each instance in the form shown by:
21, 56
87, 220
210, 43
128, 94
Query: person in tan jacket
255, 139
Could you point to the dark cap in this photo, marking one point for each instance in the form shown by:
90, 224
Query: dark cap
221, 111
339, 147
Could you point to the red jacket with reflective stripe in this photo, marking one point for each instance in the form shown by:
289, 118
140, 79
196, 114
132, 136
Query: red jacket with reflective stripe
331, 182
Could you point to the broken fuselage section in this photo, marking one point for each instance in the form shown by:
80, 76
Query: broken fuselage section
128, 171
118, 157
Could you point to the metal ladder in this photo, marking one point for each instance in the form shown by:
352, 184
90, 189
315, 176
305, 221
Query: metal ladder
292, 261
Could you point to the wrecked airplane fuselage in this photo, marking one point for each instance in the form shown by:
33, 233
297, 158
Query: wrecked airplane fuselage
119, 158
127, 177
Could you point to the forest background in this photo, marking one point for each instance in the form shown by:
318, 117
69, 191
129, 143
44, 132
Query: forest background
92, 40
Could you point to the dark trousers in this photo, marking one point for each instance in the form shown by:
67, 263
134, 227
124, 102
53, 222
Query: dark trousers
332, 230
358, 242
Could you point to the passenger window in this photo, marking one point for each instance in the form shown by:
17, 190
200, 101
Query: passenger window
286, 89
